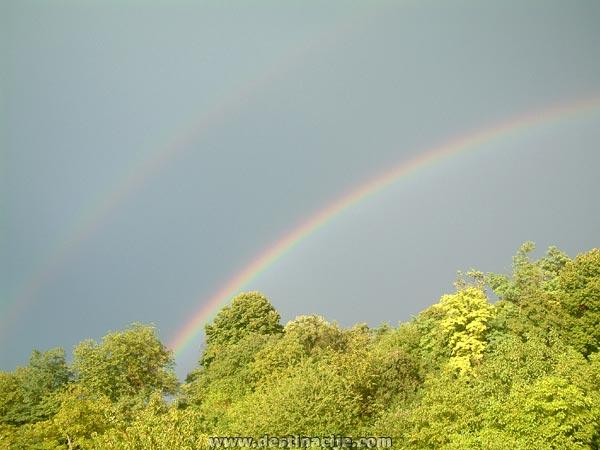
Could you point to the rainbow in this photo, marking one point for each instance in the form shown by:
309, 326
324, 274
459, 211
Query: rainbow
433, 156
140, 172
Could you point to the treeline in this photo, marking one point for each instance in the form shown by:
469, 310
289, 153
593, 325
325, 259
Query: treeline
521, 373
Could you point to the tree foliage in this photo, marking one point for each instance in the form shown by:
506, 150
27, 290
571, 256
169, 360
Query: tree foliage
521, 373
30, 393
249, 313
466, 314
579, 294
126, 363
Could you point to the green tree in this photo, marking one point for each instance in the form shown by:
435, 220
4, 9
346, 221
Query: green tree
30, 392
157, 427
427, 339
331, 390
314, 332
10, 396
282, 353
521, 374
315, 397
398, 372
516, 361
249, 313
526, 276
304, 336
211, 390
550, 413
579, 294
528, 300
82, 415
451, 409
133, 362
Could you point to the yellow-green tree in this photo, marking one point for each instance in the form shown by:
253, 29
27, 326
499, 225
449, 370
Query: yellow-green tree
466, 315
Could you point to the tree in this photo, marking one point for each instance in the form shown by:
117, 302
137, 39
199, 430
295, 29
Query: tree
130, 363
314, 332
304, 336
450, 409
579, 294
550, 413
526, 276
249, 313
211, 390
82, 414
317, 396
465, 322
29, 392
528, 300
398, 372
521, 374
158, 427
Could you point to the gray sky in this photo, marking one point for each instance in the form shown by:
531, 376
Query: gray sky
266, 112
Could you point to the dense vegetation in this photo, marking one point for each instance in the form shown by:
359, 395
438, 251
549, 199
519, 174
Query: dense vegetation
522, 372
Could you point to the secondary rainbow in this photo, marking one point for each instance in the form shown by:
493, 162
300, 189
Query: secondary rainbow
98, 212
193, 328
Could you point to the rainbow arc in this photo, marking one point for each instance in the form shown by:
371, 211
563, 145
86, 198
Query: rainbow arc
192, 329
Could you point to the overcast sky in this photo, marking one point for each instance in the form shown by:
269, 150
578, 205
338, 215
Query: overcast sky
151, 150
